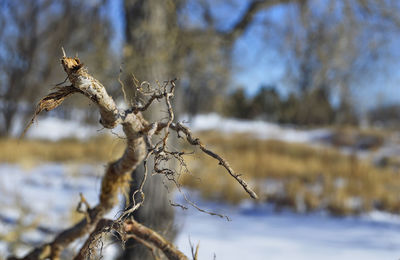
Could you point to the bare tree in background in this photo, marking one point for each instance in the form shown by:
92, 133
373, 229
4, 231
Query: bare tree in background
150, 40
332, 45
161, 42
32, 33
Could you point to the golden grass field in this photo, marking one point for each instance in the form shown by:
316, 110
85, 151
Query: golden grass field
290, 175
31, 152
307, 178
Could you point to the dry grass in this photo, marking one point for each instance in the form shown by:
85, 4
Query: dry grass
304, 178
100, 149
370, 138
290, 175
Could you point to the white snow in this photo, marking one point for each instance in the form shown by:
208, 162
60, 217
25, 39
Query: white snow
52, 128
260, 129
257, 232
51, 192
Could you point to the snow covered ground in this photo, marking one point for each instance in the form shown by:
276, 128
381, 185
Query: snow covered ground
258, 128
255, 232
52, 128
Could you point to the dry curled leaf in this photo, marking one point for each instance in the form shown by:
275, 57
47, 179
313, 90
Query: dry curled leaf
51, 101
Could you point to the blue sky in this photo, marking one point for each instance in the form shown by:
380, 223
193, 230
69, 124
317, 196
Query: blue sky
256, 65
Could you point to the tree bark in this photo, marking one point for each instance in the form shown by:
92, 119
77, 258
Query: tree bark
149, 42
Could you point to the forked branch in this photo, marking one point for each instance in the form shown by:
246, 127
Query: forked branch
140, 145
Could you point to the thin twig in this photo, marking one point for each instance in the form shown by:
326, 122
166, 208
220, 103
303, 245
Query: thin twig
196, 141
148, 245
195, 252
169, 250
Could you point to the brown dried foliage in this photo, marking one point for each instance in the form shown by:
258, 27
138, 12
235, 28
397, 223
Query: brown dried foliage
51, 101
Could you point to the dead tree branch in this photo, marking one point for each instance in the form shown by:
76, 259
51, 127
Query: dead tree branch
195, 141
130, 229
156, 239
103, 226
139, 147
117, 173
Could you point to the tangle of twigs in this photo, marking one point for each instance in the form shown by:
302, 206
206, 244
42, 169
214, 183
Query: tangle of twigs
144, 141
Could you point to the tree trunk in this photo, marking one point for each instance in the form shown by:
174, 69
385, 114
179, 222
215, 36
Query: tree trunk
147, 53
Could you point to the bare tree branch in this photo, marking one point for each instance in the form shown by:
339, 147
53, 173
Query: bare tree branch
150, 235
117, 173
247, 18
178, 127
138, 134
104, 225
129, 229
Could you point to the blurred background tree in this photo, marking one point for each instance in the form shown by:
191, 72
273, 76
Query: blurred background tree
32, 33
162, 42
333, 45
330, 45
